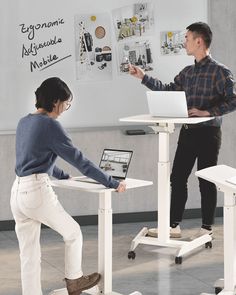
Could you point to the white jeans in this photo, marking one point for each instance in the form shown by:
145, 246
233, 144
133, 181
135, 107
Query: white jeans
33, 202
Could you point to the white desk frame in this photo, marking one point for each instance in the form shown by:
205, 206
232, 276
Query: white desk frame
104, 229
164, 127
218, 175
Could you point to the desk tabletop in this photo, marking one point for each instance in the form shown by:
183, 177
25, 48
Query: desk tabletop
94, 187
147, 118
218, 175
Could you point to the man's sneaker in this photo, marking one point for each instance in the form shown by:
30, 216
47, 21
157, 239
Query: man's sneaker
152, 232
175, 232
202, 232
76, 286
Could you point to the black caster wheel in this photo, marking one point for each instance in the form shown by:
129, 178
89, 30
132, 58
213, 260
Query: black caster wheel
131, 255
218, 290
208, 245
178, 260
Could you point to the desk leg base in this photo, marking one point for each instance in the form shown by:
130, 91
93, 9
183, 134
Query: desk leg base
189, 246
219, 284
183, 247
59, 292
92, 291
221, 293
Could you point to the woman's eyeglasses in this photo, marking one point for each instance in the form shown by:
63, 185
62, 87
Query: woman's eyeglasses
68, 102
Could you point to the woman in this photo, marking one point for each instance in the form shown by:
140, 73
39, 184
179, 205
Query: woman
40, 138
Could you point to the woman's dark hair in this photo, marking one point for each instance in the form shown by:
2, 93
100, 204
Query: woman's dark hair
203, 30
50, 91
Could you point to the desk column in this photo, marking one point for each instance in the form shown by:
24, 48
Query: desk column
163, 182
105, 241
229, 242
163, 188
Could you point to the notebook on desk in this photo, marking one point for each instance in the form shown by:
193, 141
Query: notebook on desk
114, 162
167, 104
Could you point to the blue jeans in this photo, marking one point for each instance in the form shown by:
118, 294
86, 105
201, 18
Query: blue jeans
201, 144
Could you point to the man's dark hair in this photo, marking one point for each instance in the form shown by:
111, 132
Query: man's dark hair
203, 30
50, 91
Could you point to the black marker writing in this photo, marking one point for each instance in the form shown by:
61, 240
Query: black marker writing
35, 47
30, 30
56, 62
46, 62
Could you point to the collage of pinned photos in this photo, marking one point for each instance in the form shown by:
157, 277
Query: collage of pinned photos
172, 42
133, 26
133, 30
93, 47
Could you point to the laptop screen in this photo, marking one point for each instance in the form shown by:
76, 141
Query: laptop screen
116, 162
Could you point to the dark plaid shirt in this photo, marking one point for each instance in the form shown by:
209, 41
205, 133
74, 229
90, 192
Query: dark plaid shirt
208, 85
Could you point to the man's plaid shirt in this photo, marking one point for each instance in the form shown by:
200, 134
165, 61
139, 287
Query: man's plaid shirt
208, 85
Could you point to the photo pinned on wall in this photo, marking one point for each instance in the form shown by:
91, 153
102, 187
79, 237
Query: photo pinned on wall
137, 53
93, 47
172, 42
135, 20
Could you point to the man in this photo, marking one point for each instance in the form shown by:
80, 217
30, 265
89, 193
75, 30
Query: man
209, 88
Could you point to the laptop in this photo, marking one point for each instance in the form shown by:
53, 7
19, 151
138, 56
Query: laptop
114, 162
170, 104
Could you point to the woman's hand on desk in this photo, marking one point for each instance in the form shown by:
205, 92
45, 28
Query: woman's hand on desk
122, 187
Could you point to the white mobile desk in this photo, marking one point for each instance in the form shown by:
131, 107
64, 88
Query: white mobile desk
164, 127
218, 175
104, 228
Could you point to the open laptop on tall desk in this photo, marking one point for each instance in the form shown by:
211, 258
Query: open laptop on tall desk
169, 104
114, 162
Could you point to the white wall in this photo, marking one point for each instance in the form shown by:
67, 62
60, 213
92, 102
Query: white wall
110, 100
170, 15
223, 22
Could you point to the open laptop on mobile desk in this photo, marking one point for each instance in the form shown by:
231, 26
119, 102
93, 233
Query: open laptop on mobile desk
114, 162
168, 104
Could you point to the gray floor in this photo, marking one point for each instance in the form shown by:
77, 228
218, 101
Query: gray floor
153, 272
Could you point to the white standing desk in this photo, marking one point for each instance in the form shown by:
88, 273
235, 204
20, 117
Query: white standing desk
164, 127
104, 229
218, 175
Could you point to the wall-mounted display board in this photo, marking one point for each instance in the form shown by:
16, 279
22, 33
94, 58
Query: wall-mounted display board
87, 44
